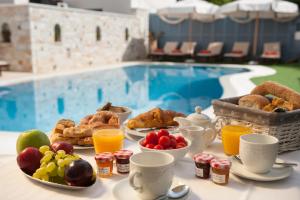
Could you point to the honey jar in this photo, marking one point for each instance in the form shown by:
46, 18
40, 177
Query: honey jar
105, 164
202, 165
220, 171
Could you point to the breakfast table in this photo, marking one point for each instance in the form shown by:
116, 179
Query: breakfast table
14, 185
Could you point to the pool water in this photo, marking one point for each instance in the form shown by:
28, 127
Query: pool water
39, 104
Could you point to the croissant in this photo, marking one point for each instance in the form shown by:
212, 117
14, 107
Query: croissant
155, 118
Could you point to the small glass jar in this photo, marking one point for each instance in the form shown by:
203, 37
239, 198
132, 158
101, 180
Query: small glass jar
220, 171
105, 164
122, 161
202, 165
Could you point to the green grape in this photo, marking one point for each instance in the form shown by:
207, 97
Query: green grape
46, 158
45, 177
44, 148
49, 152
61, 153
41, 171
36, 175
61, 171
51, 166
53, 173
44, 164
57, 157
68, 160
60, 163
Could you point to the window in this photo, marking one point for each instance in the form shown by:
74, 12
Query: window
57, 33
98, 33
5, 32
126, 34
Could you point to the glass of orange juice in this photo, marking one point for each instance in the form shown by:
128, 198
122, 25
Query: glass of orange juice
108, 140
231, 138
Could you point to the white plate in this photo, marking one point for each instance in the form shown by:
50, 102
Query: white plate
276, 173
78, 147
142, 132
123, 191
57, 185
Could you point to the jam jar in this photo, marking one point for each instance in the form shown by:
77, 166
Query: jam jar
202, 165
105, 164
220, 171
122, 161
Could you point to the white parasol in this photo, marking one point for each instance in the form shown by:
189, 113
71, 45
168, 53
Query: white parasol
255, 9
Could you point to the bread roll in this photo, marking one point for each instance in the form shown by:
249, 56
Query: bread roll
254, 101
278, 90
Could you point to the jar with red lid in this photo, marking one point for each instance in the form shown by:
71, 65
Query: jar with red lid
220, 171
202, 165
122, 161
105, 164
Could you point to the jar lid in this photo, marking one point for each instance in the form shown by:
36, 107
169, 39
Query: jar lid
123, 154
220, 163
203, 158
105, 156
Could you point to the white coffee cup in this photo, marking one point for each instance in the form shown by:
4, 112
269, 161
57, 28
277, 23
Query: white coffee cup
258, 152
151, 174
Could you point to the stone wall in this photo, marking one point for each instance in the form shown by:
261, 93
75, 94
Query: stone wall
78, 46
18, 51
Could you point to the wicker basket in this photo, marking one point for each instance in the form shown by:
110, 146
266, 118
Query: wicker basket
284, 126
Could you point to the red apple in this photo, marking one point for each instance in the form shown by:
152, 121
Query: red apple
29, 160
67, 147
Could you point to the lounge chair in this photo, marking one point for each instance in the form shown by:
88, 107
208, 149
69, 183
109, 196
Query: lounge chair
271, 51
4, 65
168, 48
186, 49
213, 50
240, 51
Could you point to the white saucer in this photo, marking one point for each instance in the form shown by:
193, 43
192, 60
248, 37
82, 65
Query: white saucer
123, 191
276, 173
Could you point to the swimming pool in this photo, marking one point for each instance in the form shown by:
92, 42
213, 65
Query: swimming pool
39, 104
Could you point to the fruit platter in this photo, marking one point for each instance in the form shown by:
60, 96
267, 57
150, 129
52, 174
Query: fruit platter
55, 165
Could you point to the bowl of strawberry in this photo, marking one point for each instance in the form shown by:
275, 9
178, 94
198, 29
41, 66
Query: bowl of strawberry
163, 141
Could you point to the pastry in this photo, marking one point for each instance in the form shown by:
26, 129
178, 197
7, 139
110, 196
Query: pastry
278, 104
78, 131
280, 91
86, 141
67, 131
102, 119
254, 101
110, 107
155, 118
62, 124
56, 137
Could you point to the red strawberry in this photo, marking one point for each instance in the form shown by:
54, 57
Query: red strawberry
180, 139
164, 141
144, 142
150, 146
152, 138
162, 132
173, 143
180, 145
158, 147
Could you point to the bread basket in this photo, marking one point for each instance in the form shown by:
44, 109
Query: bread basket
284, 126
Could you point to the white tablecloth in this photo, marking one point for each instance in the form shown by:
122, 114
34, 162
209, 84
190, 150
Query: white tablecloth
14, 185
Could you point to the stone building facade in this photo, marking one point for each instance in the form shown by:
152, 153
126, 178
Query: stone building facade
47, 38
